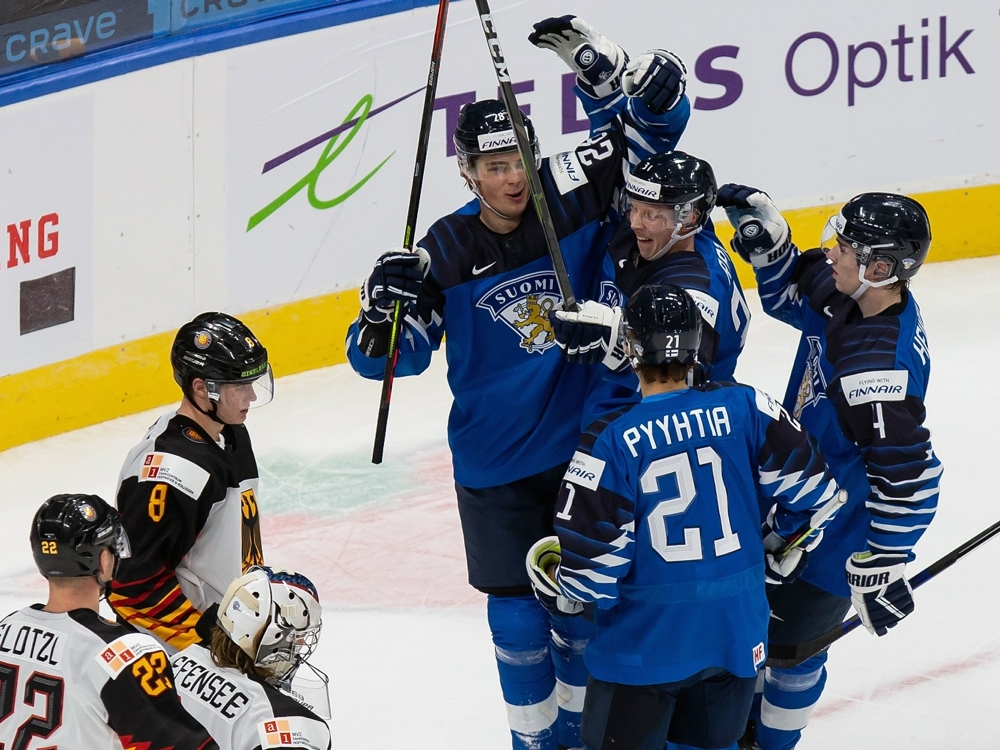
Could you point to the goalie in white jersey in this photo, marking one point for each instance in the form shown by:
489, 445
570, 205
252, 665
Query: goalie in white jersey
68, 677
252, 686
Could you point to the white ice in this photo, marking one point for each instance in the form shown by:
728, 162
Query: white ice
405, 640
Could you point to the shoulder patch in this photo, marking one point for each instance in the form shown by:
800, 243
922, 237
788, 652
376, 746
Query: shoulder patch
178, 472
585, 470
707, 304
567, 171
120, 653
193, 435
293, 731
876, 385
766, 404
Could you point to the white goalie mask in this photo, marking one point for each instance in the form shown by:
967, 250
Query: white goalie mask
274, 616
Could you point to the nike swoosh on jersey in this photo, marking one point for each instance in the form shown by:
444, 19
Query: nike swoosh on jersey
827, 312
476, 270
621, 263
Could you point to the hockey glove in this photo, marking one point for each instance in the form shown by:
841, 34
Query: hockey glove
762, 234
784, 568
597, 61
543, 555
658, 78
591, 334
879, 590
397, 276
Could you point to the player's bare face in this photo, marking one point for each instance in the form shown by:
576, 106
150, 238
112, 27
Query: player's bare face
234, 402
653, 225
502, 182
844, 262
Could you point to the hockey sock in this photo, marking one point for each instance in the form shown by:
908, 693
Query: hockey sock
789, 698
570, 636
521, 638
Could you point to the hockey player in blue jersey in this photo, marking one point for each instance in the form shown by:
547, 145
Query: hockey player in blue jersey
666, 237
858, 384
658, 523
482, 274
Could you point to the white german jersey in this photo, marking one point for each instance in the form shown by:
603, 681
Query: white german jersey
189, 506
75, 680
242, 712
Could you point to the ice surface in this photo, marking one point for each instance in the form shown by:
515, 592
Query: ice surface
405, 639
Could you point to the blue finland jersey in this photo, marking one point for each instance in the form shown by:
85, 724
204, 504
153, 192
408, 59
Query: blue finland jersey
659, 525
858, 385
518, 404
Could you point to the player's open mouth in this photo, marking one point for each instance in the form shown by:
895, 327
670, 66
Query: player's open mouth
516, 197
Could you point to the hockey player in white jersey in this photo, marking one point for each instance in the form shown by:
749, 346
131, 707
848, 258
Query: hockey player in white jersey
188, 491
252, 686
68, 677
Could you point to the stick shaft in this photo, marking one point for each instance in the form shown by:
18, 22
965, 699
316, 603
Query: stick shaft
416, 186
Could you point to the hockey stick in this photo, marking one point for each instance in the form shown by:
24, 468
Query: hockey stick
527, 157
784, 657
817, 519
426, 119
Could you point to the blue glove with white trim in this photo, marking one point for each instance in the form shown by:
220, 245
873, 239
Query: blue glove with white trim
762, 234
590, 334
597, 61
658, 77
398, 275
879, 590
544, 556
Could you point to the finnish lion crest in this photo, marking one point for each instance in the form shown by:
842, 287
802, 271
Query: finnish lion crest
813, 386
524, 304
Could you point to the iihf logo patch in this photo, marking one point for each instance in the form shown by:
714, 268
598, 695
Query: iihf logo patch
524, 305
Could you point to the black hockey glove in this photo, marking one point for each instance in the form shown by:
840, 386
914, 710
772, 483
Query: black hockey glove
879, 590
590, 334
762, 234
544, 554
597, 61
658, 78
397, 276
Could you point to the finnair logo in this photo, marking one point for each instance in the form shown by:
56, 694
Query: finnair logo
497, 141
879, 385
567, 172
585, 470
641, 187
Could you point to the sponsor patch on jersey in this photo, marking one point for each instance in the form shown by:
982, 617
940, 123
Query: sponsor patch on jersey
505, 139
767, 405
119, 654
178, 472
758, 654
585, 470
291, 731
524, 305
707, 304
641, 188
193, 435
567, 171
876, 385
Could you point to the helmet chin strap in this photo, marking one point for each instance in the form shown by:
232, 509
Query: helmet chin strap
475, 191
210, 414
866, 284
674, 239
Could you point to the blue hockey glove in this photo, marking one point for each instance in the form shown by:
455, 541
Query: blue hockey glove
658, 78
597, 61
590, 334
397, 275
546, 554
762, 234
784, 568
879, 590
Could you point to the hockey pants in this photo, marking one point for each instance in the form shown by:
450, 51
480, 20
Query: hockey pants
542, 675
787, 702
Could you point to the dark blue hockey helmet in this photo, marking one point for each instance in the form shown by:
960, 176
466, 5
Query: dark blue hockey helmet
662, 325
485, 128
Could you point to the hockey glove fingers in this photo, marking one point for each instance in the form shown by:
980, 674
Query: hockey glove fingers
590, 334
782, 566
545, 555
658, 78
597, 61
762, 235
879, 590
397, 277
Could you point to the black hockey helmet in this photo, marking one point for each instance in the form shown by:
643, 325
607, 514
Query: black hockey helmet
662, 324
684, 182
484, 128
69, 532
220, 349
883, 227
